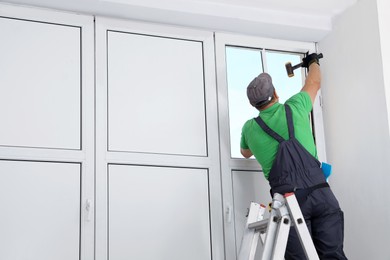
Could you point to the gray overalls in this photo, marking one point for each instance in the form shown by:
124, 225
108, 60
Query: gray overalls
295, 169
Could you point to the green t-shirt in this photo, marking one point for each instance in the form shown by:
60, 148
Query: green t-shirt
263, 146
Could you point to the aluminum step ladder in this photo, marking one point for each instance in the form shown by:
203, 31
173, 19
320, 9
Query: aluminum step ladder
285, 212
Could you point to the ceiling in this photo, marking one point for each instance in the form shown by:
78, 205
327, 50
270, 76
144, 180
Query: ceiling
304, 20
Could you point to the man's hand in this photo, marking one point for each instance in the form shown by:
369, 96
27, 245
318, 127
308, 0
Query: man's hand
246, 153
310, 59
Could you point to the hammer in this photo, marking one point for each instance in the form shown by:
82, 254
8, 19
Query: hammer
290, 69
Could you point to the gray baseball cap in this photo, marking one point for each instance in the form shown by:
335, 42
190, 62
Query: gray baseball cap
260, 91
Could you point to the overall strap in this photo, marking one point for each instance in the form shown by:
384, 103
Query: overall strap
290, 122
268, 130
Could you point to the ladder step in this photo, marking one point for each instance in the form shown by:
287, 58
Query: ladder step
259, 226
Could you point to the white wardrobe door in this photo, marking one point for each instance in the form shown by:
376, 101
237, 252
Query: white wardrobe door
40, 210
158, 213
156, 101
40, 100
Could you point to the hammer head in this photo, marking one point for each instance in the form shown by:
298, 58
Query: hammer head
289, 69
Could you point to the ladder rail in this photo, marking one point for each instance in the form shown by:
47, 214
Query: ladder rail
251, 237
301, 227
270, 236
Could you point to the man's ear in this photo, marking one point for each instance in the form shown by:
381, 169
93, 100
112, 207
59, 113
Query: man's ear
276, 95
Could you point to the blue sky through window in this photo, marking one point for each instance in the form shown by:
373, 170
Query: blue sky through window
243, 65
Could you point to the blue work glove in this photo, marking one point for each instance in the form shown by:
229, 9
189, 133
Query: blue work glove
326, 169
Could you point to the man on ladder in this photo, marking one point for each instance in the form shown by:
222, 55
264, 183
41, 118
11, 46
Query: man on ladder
281, 140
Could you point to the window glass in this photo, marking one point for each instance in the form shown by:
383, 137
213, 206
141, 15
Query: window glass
276, 67
243, 65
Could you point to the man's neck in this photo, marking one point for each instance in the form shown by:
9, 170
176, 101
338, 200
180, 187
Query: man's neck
270, 104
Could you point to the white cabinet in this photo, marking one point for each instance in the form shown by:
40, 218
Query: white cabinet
40, 84
158, 213
156, 97
40, 210
46, 135
158, 193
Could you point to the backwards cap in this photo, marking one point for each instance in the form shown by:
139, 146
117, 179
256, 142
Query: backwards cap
260, 90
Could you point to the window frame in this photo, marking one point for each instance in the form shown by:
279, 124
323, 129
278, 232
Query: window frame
229, 164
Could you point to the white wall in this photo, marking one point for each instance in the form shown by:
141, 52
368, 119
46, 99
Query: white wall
357, 129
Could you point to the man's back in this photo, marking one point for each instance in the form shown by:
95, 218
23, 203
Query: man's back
264, 147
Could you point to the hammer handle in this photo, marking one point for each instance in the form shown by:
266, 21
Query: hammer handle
297, 66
